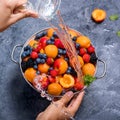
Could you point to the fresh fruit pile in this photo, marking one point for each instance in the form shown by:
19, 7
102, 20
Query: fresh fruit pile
46, 66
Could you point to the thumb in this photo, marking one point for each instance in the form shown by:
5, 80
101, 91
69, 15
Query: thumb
20, 15
66, 98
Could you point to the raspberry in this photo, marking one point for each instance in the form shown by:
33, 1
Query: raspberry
86, 58
78, 86
58, 43
53, 73
91, 49
82, 51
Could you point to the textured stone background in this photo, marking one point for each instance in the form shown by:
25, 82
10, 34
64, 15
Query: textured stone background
18, 101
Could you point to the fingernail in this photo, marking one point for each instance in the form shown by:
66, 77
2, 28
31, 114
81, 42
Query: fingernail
69, 94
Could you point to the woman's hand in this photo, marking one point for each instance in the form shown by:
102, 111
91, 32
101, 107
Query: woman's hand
63, 109
12, 11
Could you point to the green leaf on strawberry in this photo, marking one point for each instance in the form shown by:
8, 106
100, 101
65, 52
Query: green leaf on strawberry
88, 79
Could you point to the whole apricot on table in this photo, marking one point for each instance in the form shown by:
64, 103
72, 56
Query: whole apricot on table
98, 15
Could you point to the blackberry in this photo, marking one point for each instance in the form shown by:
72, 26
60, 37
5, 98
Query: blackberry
30, 63
24, 65
93, 58
73, 72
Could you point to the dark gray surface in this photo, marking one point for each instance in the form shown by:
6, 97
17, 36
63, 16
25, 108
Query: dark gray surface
18, 101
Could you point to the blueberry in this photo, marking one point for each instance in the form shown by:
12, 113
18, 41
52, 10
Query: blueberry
40, 55
23, 55
52, 42
55, 35
64, 52
48, 42
35, 67
27, 52
58, 55
67, 59
44, 33
51, 68
74, 38
27, 48
52, 38
42, 61
68, 71
77, 45
44, 56
39, 35
38, 72
69, 68
30, 63
38, 60
60, 51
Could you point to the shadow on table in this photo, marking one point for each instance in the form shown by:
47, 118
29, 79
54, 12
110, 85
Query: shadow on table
26, 102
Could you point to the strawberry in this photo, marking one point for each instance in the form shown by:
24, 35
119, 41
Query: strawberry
53, 73
91, 49
78, 86
34, 55
86, 58
43, 41
49, 61
51, 79
58, 43
82, 51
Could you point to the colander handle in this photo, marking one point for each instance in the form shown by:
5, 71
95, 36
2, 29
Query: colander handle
104, 69
13, 51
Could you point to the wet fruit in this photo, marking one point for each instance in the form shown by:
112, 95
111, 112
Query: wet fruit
83, 41
67, 81
88, 69
54, 89
51, 51
30, 74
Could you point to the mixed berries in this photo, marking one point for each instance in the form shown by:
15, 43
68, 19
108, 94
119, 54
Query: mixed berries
45, 63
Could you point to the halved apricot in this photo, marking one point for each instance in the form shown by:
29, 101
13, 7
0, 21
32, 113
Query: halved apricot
67, 81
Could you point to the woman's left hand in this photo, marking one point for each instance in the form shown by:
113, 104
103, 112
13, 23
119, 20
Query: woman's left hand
12, 11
